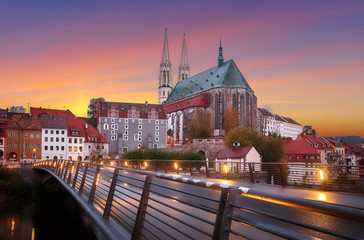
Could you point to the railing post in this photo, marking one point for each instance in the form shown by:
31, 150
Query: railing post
76, 175
65, 170
191, 169
225, 210
111, 194
251, 172
283, 181
93, 188
142, 210
82, 184
207, 168
70, 175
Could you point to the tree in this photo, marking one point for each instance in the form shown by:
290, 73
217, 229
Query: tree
17, 109
200, 125
92, 111
97, 152
270, 148
231, 119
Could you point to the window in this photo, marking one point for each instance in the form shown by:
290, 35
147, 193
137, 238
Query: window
75, 148
15, 145
113, 132
75, 140
25, 135
69, 148
35, 155
52, 131
62, 131
157, 122
51, 148
140, 121
46, 139
157, 128
57, 148
57, 139
37, 136
25, 145
140, 133
10, 145
62, 148
114, 126
80, 140
51, 139
156, 139
15, 135
113, 137
125, 149
125, 138
62, 139
10, 135
106, 126
126, 132
157, 133
80, 148
136, 136
45, 148
70, 140
126, 121
31, 145
126, 126
155, 146
46, 131
140, 127
57, 131
38, 145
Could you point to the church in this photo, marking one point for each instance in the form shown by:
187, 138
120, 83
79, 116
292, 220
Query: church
214, 90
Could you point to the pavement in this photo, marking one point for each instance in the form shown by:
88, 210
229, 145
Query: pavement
340, 198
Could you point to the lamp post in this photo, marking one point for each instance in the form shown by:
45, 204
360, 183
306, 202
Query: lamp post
34, 152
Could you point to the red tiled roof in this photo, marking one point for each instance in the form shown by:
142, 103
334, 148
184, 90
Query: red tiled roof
300, 148
286, 119
317, 143
235, 152
199, 100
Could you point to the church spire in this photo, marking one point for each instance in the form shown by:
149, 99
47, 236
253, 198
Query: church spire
165, 73
184, 68
220, 59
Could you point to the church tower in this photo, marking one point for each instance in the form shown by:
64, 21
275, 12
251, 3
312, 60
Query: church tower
165, 73
184, 68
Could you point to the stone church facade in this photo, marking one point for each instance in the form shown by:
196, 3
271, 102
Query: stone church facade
213, 90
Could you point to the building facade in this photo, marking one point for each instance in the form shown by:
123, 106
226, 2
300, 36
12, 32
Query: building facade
129, 126
265, 122
287, 127
54, 137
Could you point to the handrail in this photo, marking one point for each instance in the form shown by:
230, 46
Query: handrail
135, 199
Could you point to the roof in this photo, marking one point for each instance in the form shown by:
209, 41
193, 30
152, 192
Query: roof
74, 124
123, 108
316, 142
266, 112
334, 142
59, 122
234, 152
286, 119
227, 75
299, 147
25, 122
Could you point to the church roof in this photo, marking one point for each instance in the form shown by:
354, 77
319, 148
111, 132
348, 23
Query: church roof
227, 75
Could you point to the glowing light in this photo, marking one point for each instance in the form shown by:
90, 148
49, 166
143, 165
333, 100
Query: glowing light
145, 164
12, 226
97, 178
225, 168
322, 197
225, 182
322, 174
72, 169
126, 163
33, 233
176, 165
54, 164
101, 162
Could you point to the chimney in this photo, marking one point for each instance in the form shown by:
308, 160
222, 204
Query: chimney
236, 145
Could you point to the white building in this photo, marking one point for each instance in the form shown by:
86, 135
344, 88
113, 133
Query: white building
287, 127
265, 122
54, 137
236, 159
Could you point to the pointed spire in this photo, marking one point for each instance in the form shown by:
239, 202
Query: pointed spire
220, 59
184, 68
165, 54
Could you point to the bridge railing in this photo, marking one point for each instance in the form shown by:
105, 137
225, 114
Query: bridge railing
159, 206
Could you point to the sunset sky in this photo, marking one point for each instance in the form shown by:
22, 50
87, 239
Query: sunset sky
303, 58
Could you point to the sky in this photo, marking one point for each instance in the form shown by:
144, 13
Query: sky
305, 59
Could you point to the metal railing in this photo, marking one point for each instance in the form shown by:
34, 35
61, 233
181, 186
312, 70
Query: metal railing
152, 205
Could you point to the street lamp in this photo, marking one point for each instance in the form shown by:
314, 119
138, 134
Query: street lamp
176, 167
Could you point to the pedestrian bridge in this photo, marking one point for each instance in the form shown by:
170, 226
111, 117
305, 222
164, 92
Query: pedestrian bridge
132, 204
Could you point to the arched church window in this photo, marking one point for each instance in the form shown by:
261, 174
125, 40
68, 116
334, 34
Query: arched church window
222, 108
164, 93
234, 100
216, 111
106, 126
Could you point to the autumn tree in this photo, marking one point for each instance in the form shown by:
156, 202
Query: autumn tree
200, 125
231, 119
17, 109
92, 111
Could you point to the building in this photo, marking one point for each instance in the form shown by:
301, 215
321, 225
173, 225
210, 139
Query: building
213, 90
321, 145
287, 127
265, 122
23, 138
80, 137
236, 158
129, 126
54, 137
306, 157
337, 157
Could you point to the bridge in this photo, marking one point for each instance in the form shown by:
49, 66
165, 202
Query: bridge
125, 203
